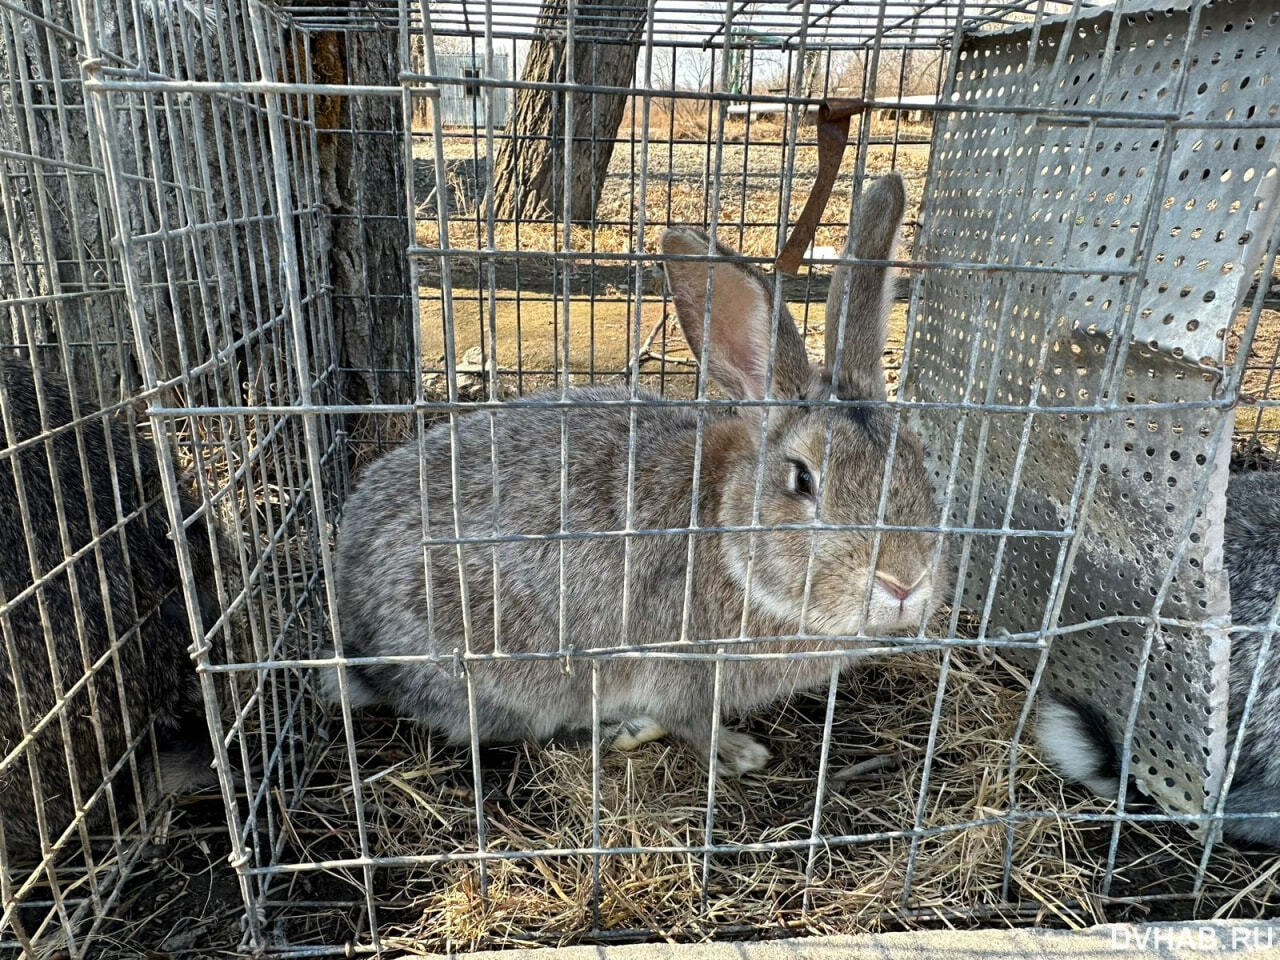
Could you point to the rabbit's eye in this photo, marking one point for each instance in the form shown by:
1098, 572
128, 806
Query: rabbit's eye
801, 479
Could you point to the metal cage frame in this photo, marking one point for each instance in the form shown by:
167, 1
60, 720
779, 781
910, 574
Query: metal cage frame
284, 227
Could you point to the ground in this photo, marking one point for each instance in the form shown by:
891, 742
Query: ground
186, 903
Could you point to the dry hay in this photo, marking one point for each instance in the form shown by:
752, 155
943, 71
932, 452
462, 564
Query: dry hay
1257, 415
419, 800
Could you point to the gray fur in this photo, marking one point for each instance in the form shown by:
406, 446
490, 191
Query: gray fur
142, 590
381, 587
1251, 552
881, 210
1251, 549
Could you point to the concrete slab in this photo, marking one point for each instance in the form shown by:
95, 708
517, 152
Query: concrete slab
1121, 941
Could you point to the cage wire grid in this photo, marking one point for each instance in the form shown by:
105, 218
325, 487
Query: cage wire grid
71, 298
62, 303
213, 145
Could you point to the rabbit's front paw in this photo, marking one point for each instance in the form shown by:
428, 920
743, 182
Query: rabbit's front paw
740, 754
637, 732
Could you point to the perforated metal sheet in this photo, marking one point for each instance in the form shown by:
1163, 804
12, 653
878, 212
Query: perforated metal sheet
1163, 224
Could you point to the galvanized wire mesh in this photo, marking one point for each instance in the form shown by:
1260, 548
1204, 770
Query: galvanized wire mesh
64, 309
315, 263
77, 505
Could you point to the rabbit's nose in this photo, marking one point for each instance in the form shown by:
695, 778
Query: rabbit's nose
896, 587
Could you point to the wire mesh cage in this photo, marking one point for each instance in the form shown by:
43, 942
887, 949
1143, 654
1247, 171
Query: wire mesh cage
95, 678
498, 465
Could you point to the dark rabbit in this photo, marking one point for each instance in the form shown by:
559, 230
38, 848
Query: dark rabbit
139, 606
383, 603
1077, 741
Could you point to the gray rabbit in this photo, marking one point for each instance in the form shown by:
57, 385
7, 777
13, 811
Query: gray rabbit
122, 590
1077, 741
386, 607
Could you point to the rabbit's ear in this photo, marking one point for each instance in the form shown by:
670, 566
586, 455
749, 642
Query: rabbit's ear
741, 319
858, 372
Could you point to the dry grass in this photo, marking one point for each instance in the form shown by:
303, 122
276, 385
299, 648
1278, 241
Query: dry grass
680, 189
601, 343
419, 800
681, 119
602, 337
1260, 423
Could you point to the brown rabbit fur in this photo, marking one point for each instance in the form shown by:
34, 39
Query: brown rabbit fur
385, 607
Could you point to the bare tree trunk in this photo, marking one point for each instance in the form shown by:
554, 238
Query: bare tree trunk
59, 261
529, 168
814, 76
363, 185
